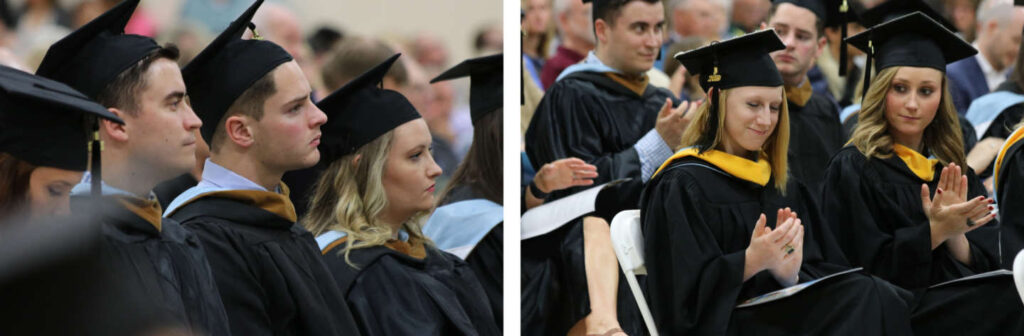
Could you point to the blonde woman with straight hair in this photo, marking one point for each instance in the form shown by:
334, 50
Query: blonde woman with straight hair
368, 205
723, 222
878, 189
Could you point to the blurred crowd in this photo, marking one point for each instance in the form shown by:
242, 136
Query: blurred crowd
329, 55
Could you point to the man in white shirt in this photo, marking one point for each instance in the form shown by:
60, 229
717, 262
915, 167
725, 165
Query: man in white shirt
999, 35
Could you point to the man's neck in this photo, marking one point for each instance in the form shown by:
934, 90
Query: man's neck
247, 167
607, 60
795, 81
983, 51
119, 172
577, 45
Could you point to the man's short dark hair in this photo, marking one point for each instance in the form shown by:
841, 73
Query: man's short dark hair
611, 9
123, 92
819, 24
250, 103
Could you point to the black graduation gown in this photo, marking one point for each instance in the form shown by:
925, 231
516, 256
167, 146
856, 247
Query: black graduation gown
487, 258
697, 222
168, 190
815, 134
1010, 194
169, 265
270, 274
589, 116
392, 293
874, 208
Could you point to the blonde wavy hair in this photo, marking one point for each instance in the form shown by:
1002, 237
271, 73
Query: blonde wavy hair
706, 131
349, 197
942, 136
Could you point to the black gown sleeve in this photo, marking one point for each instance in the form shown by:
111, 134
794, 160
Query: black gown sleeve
856, 210
564, 126
390, 298
486, 261
235, 281
1010, 196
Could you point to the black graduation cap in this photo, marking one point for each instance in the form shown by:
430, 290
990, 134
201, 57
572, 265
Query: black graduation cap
485, 86
736, 62
43, 121
837, 14
739, 61
360, 112
227, 67
892, 9
818, 7
914, 40
91, 57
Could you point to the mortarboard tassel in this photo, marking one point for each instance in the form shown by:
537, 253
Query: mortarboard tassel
867, 72
844, 12
96, 147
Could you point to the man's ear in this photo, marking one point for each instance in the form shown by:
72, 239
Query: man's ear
600, 28
112, 130
822, 44
239, 131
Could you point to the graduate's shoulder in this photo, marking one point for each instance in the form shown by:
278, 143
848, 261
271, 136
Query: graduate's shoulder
822, 107
849, 157
686, 172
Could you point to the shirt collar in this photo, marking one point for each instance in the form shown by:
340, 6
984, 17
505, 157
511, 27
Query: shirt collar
84, 188
992, 77
217, 176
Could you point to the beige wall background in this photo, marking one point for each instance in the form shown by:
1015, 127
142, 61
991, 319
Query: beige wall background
454, 21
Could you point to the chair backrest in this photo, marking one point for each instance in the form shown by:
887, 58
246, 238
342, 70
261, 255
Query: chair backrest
1018, 272
628, 242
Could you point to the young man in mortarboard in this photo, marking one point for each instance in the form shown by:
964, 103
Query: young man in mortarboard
260, 122
815, 130
604, 112
140, 82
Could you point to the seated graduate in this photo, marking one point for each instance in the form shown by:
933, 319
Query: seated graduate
367, 210
1008, 181
468, 219
877, 196
260, 122
708, 242
140, 82
42, 143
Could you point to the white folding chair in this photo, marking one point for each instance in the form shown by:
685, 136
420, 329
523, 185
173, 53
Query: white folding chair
1018, 271
628, 242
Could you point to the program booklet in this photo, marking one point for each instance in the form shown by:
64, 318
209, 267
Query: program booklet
791, 290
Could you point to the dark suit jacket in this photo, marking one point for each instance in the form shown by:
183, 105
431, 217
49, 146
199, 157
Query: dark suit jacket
967, 82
